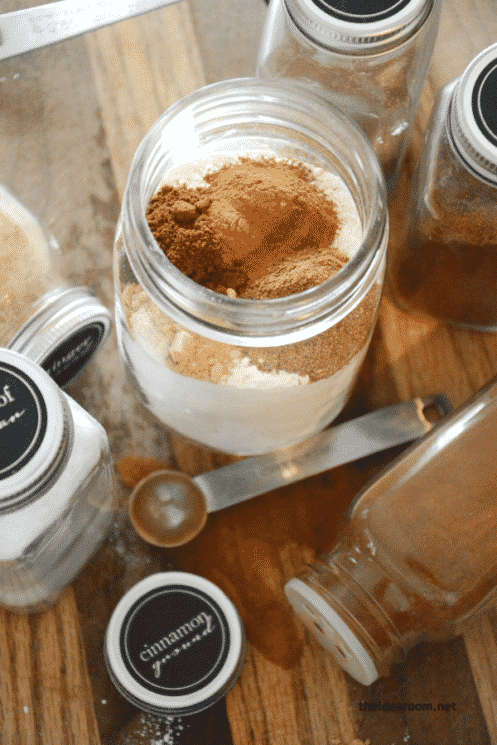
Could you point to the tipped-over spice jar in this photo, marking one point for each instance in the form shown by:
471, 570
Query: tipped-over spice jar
57, 492
447, 266
370, 59
249, 263
58, 326
417, 554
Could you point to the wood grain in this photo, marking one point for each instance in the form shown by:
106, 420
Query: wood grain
141, 67
45, 690
70, 123
480, 639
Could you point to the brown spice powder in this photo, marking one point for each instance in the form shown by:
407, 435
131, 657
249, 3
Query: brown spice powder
192, 355
260, 230
25, 272
447, 265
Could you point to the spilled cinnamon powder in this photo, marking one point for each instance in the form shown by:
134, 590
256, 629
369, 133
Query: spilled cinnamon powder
261, 229
236, 552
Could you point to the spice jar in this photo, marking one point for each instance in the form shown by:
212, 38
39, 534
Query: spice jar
368, 59
58, 326
57, 494
447, 266
175, 644
239, 375
416, 557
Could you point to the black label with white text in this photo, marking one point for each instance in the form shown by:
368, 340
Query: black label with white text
73, 354
23, 419
175, 640
362, 11
484, 102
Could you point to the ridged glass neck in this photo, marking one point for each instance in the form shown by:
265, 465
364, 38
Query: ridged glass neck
260, 119
350, 588
42, 481
359, 32
471, 120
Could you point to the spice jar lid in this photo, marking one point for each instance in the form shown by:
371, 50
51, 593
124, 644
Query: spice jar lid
34, 430
331, 631
359, 26
175, 644
473, 117
64, 333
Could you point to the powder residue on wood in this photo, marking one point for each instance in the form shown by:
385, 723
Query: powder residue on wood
261, 229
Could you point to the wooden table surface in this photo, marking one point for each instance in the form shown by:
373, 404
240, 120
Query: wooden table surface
71, 117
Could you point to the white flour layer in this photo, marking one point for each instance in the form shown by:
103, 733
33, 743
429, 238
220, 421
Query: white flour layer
233, 407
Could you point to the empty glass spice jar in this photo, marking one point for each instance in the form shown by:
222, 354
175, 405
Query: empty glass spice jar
447, 266
249, 376
42, 316
57, 492
370, 59
416, 557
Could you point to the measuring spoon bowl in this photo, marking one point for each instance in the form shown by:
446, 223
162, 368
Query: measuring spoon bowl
167, 509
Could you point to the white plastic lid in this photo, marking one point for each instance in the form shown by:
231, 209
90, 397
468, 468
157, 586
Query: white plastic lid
356, 25
175, 644
474, 114
331, 631
65, 332
34, 429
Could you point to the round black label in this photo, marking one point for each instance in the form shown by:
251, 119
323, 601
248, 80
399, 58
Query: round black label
174, 640
74, 353
362, 11
23, 419
484, 102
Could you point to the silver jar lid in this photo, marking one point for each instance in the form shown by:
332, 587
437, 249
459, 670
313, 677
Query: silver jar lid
473, 115
175, 644
35, 430
64, 332
359, 26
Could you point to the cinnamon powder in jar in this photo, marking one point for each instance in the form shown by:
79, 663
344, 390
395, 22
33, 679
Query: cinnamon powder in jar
253, 230
261, 229
447, 267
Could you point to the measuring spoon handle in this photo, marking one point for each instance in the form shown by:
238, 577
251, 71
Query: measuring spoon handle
371, 433
32, 28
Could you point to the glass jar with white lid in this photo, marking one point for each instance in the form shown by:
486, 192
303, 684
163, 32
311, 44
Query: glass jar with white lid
57, 490
236, 375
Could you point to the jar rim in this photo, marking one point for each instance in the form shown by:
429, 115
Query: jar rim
342, 34
231, 319
46, 442
132, 654
475, 142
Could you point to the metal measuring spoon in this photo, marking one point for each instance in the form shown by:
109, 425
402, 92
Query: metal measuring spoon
32, 28
168, 508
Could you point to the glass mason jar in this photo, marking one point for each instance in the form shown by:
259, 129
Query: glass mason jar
368, 59
447, 266
236, 375
416, 557
57, 492
42, 316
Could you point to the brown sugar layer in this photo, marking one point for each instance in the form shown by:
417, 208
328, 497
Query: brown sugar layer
261, 229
